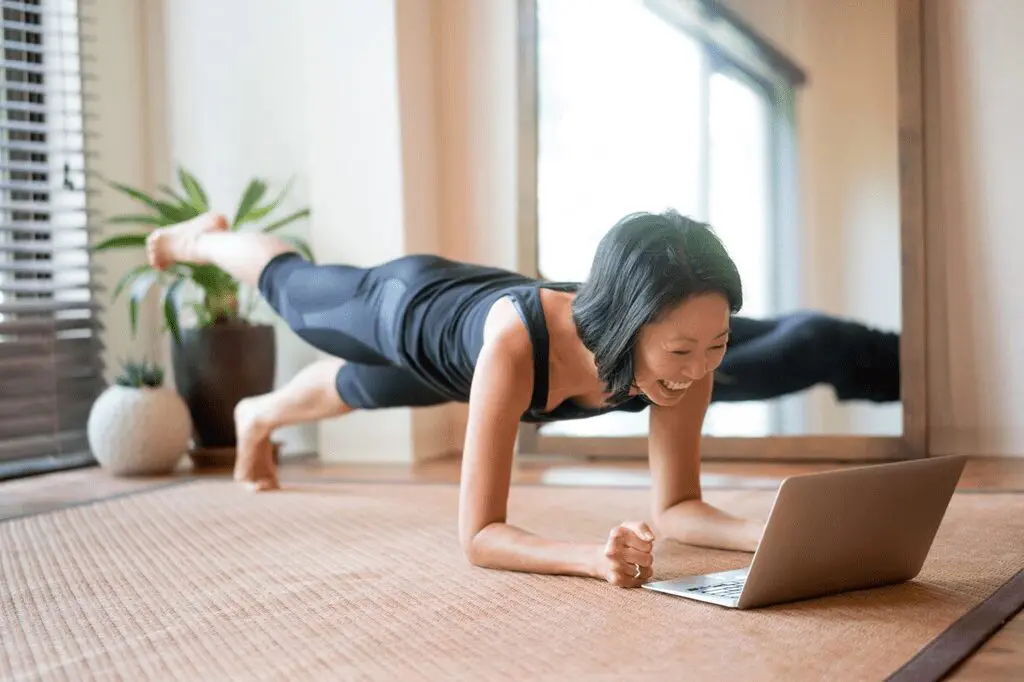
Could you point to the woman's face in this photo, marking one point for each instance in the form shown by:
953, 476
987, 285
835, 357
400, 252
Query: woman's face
681, 348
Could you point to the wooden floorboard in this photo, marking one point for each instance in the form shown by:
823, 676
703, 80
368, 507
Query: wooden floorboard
1001, 658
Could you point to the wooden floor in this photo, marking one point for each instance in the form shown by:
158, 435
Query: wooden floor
1001, 658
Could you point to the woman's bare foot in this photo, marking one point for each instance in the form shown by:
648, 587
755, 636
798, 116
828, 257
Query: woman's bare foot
169, 245
254, 459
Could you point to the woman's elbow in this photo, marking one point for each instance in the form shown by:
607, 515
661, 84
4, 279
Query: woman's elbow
472, 549
675, 517
470, 552
477, 547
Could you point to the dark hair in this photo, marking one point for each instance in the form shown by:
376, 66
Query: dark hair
646, 265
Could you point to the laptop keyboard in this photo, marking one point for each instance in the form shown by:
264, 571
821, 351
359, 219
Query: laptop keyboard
728, 590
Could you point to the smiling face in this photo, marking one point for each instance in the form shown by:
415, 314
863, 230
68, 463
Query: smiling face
646, 314
681, 347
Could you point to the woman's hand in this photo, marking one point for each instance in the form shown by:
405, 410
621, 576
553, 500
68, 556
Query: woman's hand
627, 559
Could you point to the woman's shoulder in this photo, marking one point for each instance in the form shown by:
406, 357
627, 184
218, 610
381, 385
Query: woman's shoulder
504, 372
504, 330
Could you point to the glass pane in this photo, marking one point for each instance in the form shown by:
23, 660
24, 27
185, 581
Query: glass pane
739, 208
619, 124
619, 131
739, 205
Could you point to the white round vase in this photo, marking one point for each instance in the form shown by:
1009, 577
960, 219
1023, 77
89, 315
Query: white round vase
139, 431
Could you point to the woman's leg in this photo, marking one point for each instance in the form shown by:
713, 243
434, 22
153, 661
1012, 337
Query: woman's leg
777, 357
347, 312
325, 389
206, 239
311, 395
797, 351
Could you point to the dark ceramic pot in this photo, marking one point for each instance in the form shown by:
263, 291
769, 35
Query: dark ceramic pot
216, 367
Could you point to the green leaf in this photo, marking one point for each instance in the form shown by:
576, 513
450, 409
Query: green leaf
304, 213
138, 195
199, 311
210, 278
204, 318
168, 211
169, 191
184, 206
138, 220
253, 193
139, 374
139, 290
194, 190
219, 288
185, 211
302, 246
121, 241
264, 211
213, 281
171, 310
127, 279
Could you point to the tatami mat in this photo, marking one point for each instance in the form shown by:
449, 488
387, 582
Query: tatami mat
366, 581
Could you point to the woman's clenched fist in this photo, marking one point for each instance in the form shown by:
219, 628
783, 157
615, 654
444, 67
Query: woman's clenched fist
627, 558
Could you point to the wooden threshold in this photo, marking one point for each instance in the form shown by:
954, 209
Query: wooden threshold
774, 448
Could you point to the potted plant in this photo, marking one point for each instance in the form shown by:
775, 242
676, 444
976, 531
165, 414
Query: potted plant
138, 426
222, 354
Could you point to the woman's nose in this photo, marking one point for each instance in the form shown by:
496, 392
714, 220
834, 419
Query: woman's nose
696, 368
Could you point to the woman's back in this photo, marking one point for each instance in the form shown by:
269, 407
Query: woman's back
443, 316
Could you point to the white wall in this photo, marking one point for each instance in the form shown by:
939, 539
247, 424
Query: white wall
974, 93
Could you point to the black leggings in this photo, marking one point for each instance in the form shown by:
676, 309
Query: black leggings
353, 314
793, 352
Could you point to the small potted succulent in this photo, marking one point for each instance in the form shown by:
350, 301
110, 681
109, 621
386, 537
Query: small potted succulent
138, 426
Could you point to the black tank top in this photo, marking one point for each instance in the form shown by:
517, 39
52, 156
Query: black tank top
443, 330
528, 303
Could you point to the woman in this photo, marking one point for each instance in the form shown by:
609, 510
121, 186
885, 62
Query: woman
647, 329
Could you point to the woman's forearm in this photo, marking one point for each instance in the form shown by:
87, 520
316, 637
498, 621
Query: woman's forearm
504, 547
696, 522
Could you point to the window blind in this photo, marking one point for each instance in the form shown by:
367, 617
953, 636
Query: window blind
50, 352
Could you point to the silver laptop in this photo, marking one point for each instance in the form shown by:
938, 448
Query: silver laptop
837, 531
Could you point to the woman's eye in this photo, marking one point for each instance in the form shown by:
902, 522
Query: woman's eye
720, 346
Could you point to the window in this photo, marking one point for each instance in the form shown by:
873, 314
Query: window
50, 353
637, 113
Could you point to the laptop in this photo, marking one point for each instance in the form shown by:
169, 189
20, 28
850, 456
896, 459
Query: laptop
836, 531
